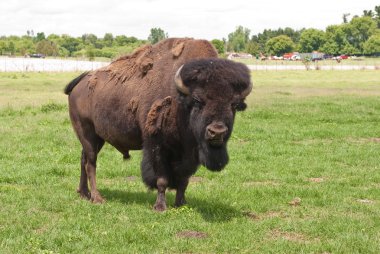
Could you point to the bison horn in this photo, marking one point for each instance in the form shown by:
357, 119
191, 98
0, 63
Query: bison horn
179, 83
247, 91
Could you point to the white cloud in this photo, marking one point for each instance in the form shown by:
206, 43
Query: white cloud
196, 18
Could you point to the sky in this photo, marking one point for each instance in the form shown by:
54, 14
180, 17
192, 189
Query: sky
200, 19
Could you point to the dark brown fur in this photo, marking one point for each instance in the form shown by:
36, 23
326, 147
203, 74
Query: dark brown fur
134, 104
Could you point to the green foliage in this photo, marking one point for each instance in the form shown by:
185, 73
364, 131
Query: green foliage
89, 39
252, 48
262, 38
359, 30
156, 35
335, 40
311, 40
40, 37
279, 45
238, 39
108, 39
219, 45
71, 44
372, 45
47, 48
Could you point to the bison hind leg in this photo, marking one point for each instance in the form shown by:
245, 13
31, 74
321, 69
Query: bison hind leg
83, 183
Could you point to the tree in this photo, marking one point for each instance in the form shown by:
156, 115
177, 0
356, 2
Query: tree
252, 48
108, 39
311, 40
3, 47
279, 45
268, 34
47, 48
89, 39
368, 13
11, 47
70, 44
40, 37
238, 39
156, 35
377, 16
359, 30
345, 15
219, 45
372, 45
335, 40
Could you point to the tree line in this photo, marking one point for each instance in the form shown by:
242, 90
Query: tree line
358, 36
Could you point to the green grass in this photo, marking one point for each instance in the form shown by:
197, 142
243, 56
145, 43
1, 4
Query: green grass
313, 135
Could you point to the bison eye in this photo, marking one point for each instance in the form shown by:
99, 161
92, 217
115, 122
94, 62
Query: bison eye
239, 106
197, 102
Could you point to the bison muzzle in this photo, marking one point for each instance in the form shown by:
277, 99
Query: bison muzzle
175, 100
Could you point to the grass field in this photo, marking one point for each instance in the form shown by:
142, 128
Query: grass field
304, 175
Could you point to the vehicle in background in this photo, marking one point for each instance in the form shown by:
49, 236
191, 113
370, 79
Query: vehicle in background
295, 57
277, 58
38, 55
292, 56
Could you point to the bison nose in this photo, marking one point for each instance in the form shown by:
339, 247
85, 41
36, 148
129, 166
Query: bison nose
215, 133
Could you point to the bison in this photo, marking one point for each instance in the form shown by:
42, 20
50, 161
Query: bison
175, 100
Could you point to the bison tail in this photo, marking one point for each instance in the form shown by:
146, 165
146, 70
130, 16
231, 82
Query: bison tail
74, 82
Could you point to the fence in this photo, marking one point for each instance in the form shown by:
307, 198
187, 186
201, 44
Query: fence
8, 64
312, 67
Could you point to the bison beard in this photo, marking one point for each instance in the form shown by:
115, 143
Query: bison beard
213, 158
184, 118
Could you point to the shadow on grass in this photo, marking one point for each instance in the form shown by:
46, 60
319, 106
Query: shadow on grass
210, 209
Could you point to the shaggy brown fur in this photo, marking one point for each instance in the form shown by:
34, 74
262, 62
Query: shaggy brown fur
133, 103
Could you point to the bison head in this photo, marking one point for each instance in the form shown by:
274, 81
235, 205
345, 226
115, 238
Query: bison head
212, 90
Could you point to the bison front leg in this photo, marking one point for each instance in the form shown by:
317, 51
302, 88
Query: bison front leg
162, 184
180, 195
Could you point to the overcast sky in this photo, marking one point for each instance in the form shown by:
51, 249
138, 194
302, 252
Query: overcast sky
190, 18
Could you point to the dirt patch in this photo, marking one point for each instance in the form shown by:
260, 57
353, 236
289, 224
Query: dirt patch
191, 234
364, 140
365, 201
295, 202
261, 183
267, 215
289, 236
131, 178
251, 215
313, 141
316, 179
196, 179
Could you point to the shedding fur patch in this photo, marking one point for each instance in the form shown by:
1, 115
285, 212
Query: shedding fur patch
92, 81
177, 49
162, 118
133, 105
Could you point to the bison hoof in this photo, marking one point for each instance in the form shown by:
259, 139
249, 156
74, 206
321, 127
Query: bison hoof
160, 207
85, 194
181, 203
97, 199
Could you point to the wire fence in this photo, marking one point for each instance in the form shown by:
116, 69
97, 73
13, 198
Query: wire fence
311, 67
9, 64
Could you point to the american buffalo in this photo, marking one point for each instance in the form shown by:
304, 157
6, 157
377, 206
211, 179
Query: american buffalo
175, 100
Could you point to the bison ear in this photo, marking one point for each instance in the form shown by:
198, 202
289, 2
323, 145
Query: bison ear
162, 118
